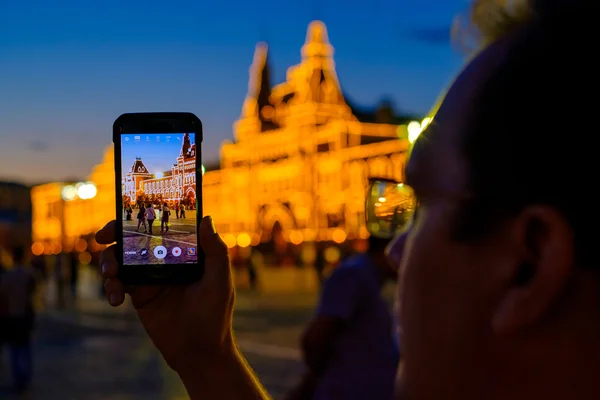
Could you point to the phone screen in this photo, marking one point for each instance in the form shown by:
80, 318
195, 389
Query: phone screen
159, 198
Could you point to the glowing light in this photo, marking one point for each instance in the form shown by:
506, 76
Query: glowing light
37, 249
87, 191
69, 193
56, 248
425, 123
332, 255
203, 169
244, 240
85, 258
338, 236
414, 130
230, 240
296, 237
382, 199
81, 245
255, 239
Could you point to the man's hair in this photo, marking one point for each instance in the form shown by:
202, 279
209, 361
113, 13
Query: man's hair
529, 139
485, 21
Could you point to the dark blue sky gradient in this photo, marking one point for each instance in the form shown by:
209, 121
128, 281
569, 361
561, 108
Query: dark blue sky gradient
158, 152
69, 68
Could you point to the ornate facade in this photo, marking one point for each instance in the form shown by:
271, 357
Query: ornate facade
175, 185
302, 154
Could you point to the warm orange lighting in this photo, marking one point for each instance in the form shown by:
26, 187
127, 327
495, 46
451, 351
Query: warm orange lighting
301, 157
338, 236
230, 240
85, 258
332, 255
47, 249
244, 240
81, 245
56, 248
255, 239
296, 237
37, 249
57, 220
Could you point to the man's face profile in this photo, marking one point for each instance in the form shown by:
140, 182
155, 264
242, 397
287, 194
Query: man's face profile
476, 311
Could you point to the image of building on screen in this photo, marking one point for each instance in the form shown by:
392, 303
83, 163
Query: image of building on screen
176, 185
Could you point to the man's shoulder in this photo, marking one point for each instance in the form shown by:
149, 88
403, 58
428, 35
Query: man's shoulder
352, 266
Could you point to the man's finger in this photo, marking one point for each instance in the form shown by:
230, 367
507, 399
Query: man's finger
108, 263
114, 292
108, 234
212, 244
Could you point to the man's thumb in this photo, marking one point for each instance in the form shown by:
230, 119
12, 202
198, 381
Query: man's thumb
213, 246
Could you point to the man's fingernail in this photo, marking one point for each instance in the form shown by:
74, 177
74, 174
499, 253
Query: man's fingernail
213, 229
113, 299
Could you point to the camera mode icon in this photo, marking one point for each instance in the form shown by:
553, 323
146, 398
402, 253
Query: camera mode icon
160, 252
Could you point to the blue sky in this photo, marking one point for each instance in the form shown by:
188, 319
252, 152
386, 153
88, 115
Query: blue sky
69, 68
157, 151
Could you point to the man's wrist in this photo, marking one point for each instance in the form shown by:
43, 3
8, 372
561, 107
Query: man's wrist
227, 376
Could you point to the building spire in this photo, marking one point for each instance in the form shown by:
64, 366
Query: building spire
258, 101
259, 86
317, 42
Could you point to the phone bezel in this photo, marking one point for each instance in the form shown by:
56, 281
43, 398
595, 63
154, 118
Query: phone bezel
173, 122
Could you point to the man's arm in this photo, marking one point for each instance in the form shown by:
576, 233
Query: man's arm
228, 378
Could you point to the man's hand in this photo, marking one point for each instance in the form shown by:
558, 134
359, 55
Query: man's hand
190, 325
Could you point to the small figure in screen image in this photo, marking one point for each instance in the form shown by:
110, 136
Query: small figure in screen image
164, 219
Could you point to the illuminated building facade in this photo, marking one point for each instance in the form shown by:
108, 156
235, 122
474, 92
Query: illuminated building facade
61, 222
299, 164
178, 184
302, 155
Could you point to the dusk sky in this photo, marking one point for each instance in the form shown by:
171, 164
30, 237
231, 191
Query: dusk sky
69, 68
158, 151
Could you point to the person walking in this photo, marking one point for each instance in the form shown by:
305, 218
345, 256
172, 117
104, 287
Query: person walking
150, 217
164, 218
141, 217
17, 289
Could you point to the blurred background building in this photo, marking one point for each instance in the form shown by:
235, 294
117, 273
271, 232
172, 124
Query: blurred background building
15, 218
295, 174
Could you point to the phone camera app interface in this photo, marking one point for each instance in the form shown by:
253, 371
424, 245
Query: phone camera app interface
159, 198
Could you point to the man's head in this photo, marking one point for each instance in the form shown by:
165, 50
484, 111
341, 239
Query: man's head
498, 288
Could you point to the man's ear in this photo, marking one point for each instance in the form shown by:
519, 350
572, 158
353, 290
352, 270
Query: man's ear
545, 239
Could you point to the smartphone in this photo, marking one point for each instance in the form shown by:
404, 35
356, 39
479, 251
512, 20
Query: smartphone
158, 180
